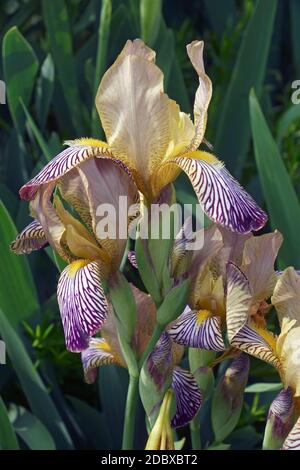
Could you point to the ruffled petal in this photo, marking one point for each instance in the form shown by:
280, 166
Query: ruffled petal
292, 442
65, 161
188, 397
97, 354
82, 304
286, 296
221, 197
194, 331
30, 239
238, 300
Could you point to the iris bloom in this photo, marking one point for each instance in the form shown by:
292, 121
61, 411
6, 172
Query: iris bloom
150, 138
203, 323
281, 351
161, 363
81, 181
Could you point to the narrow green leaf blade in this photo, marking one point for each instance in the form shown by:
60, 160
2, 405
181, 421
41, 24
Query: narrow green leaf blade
150, 16
8, 439
31, 430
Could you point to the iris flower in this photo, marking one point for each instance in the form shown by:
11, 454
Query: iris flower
203, 323
81, 181
150, 138
161, 364
281, 351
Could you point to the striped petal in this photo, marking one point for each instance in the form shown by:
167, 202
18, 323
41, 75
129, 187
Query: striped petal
132, 258
238, 301
78, 152
30, 239
221, 197
253, 343
280, 420
97, 354
292, 442
82, 303
193, 331
159, 362
188, 397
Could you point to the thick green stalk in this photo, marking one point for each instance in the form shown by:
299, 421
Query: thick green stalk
130, 412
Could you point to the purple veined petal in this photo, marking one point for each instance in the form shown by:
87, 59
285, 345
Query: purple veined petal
281, 413
132, 258
292, 442
188, 397
82, 304
191, 332
238, 300
159, 362
30, 239
65, 161
221, 197
251, 342
97, 354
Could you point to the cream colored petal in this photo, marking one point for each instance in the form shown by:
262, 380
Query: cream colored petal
182, 131
286, 296
258, 263
203, 93
290, 357
134, 111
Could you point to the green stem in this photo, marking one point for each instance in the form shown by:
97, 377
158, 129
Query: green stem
150, 346
130, 412
195, 433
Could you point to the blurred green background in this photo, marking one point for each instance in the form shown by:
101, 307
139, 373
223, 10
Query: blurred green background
53, 56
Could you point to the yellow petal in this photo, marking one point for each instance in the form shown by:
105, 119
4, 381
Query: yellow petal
286, 296
290, 358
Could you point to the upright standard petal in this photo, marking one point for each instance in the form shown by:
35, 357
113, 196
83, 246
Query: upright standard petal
79, 151
188, 397
286, 296
30, 239
221, 197
198, 330
134, 111
82, 303
238, 300
97, 354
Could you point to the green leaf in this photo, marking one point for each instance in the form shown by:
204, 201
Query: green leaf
233, 133
263, 387
285, 120
8, 439
56, 18
295, 33
18, 296
123, 301
37, 134
281, 199
31, 430
34, 389
219, 14
44, 90
174, 303
150, 15
20, 68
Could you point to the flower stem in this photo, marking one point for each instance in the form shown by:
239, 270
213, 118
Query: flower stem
195, 433
130, 412
150, 346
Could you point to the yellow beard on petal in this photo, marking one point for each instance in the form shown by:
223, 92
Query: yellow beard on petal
90, 141
267, 335
203, 315
76, 265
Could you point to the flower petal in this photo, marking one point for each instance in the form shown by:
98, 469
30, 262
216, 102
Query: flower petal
82, 303
159, 362
286, 296
132, 258
188, 397
203, 93
189, 331
253, 343
258, 263
65, 161
134, 111
30, 239
97, 354
290, 356
239, 300
292, 442
221, 197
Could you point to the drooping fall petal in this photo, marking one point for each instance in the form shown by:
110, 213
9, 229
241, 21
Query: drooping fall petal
97, 354
280, 420
292, 442
188, 397
82, 303
30, 239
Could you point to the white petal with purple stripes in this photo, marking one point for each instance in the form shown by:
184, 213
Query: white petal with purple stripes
188, 331
221, 196
159, 362
83, 306
97, 354
188, 397
30, 239
292, 442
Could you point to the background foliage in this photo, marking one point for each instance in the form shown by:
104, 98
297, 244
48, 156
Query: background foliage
53, 56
